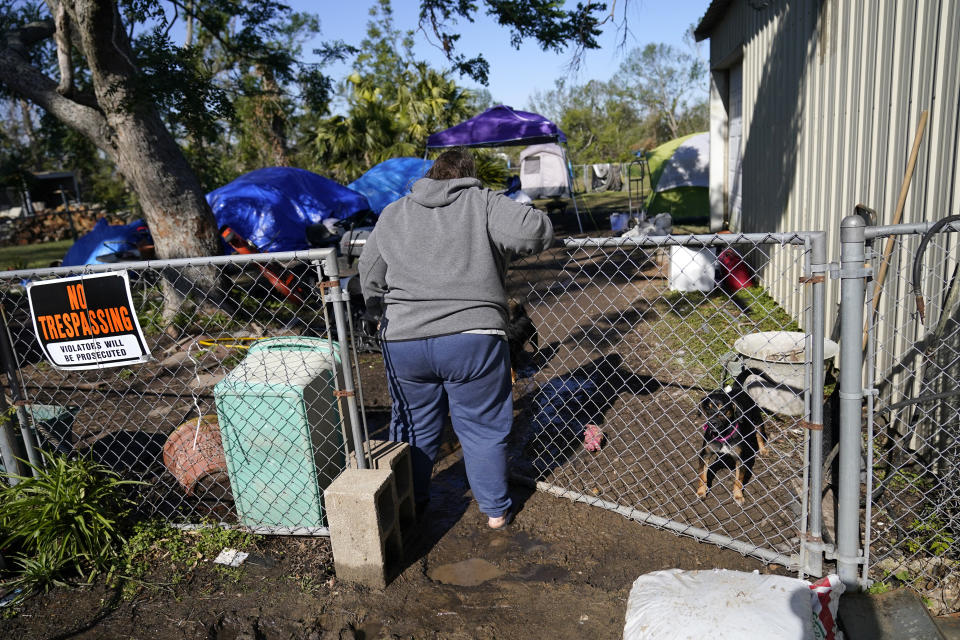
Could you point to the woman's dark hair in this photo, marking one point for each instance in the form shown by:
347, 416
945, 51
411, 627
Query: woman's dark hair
456, 163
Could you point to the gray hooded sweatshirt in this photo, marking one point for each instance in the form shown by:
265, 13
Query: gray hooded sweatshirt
438, 257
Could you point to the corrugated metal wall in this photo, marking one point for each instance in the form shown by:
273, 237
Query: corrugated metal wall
832, 94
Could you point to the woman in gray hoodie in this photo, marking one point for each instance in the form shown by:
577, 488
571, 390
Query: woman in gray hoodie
438, 259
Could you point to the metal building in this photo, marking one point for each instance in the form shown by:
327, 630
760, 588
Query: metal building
814, 106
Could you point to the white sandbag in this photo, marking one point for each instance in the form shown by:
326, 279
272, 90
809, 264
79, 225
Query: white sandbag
718, 605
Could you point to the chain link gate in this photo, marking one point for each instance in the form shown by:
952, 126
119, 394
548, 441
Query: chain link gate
246, 409
912, 369
624, 359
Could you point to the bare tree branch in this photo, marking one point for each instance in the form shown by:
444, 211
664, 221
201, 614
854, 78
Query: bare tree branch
62, 37
22, 39
26, 81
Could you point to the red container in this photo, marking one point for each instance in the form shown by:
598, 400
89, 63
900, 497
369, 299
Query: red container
194, 450
735, 273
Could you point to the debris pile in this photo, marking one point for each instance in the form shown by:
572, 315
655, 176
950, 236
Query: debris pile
52, 225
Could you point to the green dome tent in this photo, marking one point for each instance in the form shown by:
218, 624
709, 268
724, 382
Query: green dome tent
680, 178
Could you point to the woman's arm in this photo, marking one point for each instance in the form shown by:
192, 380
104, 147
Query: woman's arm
517, 228
373, 269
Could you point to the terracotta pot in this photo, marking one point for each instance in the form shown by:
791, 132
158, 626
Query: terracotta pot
194, 450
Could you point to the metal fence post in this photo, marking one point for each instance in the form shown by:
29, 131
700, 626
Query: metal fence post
852, 288
813, 559
11, 447
8, 365
335, 295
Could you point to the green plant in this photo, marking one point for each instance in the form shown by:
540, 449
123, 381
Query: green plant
878, 587
153, 542
65, 519
7, 415
931, 535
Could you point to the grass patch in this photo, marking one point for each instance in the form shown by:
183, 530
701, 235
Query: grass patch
175, 553
33, 256
709, 323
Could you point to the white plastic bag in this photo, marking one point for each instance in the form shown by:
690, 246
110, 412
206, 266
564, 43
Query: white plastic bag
721, 604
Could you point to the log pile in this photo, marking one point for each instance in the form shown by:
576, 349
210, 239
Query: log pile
52, 225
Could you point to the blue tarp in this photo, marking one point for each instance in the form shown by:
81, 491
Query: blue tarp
103, 239
390, 180
272, 207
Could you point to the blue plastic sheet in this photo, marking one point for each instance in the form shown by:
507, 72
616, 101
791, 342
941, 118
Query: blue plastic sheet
105, 239
272, 207
390, 180
562, 408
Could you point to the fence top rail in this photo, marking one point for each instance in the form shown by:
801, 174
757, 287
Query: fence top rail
699, 240
916, 228
284, 256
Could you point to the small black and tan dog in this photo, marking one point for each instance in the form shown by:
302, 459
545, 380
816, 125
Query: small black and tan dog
732, 432
520, 332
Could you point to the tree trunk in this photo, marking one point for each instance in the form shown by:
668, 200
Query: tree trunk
146, 154
125, 126
272, 123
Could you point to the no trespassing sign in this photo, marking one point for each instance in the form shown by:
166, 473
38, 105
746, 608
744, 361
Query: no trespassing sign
87, 322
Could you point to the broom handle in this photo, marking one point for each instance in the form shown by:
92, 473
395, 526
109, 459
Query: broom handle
898, 214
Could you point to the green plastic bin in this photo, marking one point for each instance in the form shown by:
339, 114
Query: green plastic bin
281, 433
296, 343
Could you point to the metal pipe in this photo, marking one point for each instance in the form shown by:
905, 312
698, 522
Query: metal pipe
8, 363
256, 529
870, 370
698, 240
852, 290
11, 447
570, 188
142, 265
818, 267
916, 228
336, 296
664, 523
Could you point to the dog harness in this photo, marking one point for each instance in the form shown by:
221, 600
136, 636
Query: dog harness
736, 425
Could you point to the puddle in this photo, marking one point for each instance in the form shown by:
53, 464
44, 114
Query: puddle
466, 573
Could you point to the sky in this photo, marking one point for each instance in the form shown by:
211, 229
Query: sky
514, 75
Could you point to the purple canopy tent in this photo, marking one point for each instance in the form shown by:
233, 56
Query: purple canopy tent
502, 126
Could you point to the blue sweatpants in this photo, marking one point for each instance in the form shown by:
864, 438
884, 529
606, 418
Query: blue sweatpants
467, 375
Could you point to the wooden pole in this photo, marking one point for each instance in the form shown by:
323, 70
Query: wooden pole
897, 215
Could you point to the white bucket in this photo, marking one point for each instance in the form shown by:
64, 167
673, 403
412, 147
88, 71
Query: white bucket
778, 358
692, 269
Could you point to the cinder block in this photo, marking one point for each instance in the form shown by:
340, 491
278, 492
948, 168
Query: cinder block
395, 456
361, 507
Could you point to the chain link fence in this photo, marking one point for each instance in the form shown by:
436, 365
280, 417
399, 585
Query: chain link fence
245, 408
249, 403
633, 334
912, 488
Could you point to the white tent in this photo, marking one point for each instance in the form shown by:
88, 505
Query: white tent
542, 171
